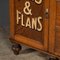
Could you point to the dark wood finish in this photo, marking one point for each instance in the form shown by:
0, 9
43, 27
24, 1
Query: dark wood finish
46, 27
41, 37
52, 25
29, 42
58, 8
57, 30
47, 40
54, 46
58, 20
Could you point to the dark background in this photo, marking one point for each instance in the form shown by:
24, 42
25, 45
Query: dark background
4, 14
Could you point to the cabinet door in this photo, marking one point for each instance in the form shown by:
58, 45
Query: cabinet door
29, 22
54, 42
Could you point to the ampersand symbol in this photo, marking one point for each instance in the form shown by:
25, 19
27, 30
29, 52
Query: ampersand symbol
26, 9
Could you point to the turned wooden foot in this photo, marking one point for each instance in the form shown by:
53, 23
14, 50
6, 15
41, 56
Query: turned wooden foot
16, 48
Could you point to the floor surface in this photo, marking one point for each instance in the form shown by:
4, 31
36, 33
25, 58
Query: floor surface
26, 53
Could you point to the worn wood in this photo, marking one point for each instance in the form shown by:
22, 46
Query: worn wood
29, 42
52, 25
12, 26
58, 7
56, 41
58, 21
33, 34
45, 26
47, 40
42, 36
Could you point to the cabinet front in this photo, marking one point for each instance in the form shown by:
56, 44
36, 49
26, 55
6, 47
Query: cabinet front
31, 22
57, 27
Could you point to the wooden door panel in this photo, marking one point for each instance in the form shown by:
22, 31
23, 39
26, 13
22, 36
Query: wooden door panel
54, 42
57, 40
27, 31
58, 20
29, 25
58, 8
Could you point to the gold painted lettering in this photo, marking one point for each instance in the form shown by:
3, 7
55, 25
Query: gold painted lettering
34, 23
38, 1
22, 20
28, 23
39, 22
26, 9
18, 18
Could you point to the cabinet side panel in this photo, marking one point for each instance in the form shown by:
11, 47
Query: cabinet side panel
57, 30
52, 25
11, 6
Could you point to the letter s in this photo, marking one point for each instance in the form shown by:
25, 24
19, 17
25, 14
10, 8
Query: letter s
39, 29
38, 2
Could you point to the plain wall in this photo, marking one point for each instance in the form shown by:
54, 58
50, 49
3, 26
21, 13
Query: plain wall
4, 14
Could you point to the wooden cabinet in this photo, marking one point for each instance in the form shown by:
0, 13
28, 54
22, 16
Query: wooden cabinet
36, 24
54, 45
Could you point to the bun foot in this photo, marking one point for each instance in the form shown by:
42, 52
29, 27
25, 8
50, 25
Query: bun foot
16, 48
